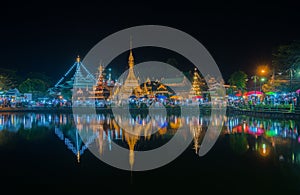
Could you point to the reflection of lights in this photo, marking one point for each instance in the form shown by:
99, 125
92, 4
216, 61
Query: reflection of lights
264, 150
162, 131
271, 133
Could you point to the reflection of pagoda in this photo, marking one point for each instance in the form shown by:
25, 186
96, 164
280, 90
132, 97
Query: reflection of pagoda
132, 132
74, 141
131, 84
196, 130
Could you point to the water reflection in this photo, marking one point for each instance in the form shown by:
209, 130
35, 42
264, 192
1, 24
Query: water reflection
265, 137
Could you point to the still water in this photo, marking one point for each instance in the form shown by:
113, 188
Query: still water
251, 154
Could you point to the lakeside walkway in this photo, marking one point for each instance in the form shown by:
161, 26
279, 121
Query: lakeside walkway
265, 113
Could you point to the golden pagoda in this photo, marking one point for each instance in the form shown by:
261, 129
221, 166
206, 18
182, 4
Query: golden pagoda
131, 85
196, 85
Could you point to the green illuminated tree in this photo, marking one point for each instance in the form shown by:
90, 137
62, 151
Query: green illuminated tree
286, 56
8, 79
33, 86
239, 80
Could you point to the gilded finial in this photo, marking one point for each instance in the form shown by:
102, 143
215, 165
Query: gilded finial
78, 59
130, 59
78, 157
100, 68
130, 42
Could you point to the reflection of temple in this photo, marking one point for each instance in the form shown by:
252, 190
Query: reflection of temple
265, 137
131, 84
75, 142
196, 130
132, 133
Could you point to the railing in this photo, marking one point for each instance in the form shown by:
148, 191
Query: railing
273, 112
268, 108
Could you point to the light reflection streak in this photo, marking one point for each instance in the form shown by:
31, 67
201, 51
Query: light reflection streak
270, 136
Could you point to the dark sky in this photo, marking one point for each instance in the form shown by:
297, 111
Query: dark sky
47, 37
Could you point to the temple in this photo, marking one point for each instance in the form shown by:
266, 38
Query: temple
131, 85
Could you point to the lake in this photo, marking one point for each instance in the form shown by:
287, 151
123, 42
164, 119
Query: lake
62, 151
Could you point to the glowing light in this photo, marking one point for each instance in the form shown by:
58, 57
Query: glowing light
264, 150
263, 69
271, 133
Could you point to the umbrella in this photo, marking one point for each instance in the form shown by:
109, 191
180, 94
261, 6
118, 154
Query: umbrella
239, 94
298, 91
144, 96
161, 97
198, 97
132, 96
254, 93
271, 93
176, 97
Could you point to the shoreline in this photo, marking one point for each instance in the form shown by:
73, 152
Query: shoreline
176, 111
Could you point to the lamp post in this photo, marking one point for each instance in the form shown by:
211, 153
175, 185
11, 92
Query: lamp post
255, 80
291, 70
260, 83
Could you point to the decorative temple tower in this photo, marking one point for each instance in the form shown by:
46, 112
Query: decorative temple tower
83, 81
196, 85
99, 87
131, 85
77, 78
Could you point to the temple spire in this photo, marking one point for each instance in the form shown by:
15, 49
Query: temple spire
100, 69
78, 59
130, 59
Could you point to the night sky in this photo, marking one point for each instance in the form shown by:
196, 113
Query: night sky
47, 37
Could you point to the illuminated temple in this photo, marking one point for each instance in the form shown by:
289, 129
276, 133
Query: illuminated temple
131, 85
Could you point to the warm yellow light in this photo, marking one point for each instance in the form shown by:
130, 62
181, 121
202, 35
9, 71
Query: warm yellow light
264, 150
262, 70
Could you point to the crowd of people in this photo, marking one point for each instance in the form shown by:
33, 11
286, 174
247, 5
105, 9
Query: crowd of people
289, 100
